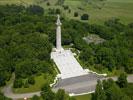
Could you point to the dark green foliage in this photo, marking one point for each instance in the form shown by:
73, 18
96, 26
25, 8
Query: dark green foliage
108, 83
47, 93
130, 25
24, 48
122, 80
111, 91
76, 14
115, 23
35, 97
85, 17
114, 93
31, 80
18, 83
116, 52
103, 31
66, 7
26, 84
48, 4
60, 95
128, 90
34, 9
58, 11
99, 92
69, 11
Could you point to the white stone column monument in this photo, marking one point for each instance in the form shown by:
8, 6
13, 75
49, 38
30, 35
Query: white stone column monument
58, 34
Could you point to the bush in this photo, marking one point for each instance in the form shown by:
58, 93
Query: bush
31, 80
18, 83
26, 84
65, 7
69, 11
122, 80
58, 11
35, 97
76, 14
48, 4
85, 17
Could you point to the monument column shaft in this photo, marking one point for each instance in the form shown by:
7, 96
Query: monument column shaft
58, 37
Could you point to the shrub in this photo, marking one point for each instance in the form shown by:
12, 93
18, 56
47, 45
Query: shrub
58, 11
85, 17
26, 84
48, 4
76, 14
31, 80
18, 83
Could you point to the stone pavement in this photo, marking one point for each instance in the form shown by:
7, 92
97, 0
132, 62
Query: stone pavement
79, 84
67, 64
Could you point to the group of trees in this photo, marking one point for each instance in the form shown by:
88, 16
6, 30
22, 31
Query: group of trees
18, 83
109, 90
48, 94
24, 46
116, 52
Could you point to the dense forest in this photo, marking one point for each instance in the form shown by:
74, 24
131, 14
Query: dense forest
24, 46
27, 35
110, 90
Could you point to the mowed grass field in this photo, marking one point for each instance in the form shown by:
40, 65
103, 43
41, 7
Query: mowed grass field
99, 11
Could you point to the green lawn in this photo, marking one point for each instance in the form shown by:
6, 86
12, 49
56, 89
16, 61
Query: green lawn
83, 97
40, 80
98, 11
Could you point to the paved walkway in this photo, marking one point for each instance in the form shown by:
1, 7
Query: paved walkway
67, 64
7, 90
77, 85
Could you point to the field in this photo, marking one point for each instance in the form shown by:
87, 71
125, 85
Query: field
83, 97
99, 11
39, 81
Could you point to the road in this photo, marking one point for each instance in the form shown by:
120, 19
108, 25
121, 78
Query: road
81, 84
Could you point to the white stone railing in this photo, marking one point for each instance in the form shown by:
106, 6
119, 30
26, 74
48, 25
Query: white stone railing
55, 80
90, 71
73, 94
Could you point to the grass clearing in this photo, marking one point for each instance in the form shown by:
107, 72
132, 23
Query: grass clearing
83, 97
122, 9
99, 11
39, 81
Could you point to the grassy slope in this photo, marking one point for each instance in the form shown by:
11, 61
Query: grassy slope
122, 9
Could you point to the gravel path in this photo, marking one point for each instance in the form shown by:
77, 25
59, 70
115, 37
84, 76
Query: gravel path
76, 85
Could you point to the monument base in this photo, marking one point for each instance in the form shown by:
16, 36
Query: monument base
56, 50
67, 64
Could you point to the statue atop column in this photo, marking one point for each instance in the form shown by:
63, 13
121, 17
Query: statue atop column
58, 34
